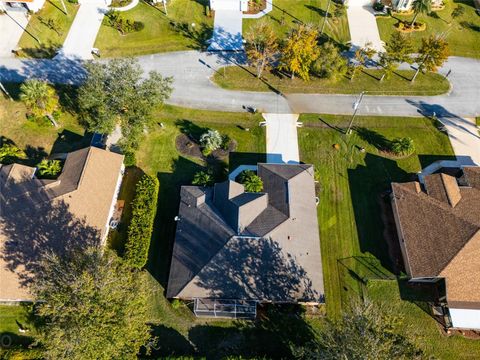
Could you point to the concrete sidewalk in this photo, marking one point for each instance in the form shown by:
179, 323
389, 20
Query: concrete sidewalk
282, 140
84, 30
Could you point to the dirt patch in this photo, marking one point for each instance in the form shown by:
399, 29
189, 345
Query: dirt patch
188, 147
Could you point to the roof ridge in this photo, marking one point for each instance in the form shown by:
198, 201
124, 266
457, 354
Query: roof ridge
89, 153
436, 202
204, 265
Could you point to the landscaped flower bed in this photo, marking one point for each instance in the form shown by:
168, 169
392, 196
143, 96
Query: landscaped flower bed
408, 28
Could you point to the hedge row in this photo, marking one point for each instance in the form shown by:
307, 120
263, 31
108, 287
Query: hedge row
144, 207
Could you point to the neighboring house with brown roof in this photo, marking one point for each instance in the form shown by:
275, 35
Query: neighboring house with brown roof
232, 244
39, 216
438, 225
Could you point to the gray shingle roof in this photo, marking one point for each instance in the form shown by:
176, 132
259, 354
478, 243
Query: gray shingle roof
242, 245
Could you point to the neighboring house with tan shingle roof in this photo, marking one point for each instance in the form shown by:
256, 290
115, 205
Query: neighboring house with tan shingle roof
438, 225
38, 216
231, 244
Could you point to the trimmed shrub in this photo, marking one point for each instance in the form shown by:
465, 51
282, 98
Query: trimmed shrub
203, 178
251, 181
210, 141
144, 208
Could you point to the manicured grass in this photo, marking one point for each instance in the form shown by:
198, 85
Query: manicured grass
463, 40
424, 329
351, 183
159, 34
50, 40
37, 138
12, 317
237, 78
303, 11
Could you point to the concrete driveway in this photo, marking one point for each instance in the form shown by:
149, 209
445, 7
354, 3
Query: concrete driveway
84, 30
362, 24
227, 31
282, 140
465, 139
12, 25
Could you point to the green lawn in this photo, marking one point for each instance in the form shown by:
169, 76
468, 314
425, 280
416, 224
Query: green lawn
37, 138
463, 40
12, 318
159, 34
422, 326
238, 78
304, 11
50, 40
351, 181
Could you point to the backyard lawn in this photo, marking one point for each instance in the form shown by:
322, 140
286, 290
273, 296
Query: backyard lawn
50, 25
37, 138
287, 14
462, 34
160, 33
239, 78
417, 323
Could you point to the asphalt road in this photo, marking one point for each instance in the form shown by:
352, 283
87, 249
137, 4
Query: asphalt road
193, 88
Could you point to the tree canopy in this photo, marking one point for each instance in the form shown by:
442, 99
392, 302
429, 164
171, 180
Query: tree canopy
421, 7
433, 53
261, 46
116, 92
94, 306
366, 332
300, 51
330, 64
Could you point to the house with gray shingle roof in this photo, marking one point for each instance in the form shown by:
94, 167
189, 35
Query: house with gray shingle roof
262, 247
438, 226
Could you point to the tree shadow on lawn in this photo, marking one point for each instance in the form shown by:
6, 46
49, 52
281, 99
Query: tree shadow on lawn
272, 335
367, 183
277, 329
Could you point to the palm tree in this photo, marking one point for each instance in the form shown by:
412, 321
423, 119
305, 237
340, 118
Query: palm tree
49, 168
39, 97
421, 7
402, 146
251, 181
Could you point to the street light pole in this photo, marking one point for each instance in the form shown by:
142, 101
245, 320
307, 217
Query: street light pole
356, 105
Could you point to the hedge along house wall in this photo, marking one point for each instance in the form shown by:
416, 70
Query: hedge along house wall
144, 208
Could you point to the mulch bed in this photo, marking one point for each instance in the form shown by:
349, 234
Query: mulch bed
188, 147
254, 8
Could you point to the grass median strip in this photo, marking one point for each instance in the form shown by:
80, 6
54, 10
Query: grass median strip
237, 78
